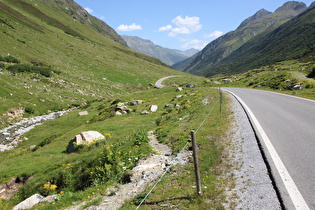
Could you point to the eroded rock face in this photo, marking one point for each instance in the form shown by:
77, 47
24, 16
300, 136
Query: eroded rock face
83, 138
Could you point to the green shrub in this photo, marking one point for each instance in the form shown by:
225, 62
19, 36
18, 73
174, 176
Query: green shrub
19, 68
9, 59
312, 74
29, 110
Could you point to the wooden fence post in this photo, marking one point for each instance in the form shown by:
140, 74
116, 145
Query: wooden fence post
221, 100
195, 156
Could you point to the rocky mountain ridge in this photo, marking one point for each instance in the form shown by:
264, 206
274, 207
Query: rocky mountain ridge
216, 51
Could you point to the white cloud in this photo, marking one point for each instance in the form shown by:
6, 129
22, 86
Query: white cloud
214, 35
89, 10
185, 25
194, 43
131, 27
165, 28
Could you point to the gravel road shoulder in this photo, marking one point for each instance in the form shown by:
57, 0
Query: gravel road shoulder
253, 186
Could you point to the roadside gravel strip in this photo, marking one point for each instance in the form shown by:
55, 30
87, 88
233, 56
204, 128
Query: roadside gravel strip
253, 186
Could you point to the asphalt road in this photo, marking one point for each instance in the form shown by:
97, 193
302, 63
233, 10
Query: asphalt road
158, 83
288, 125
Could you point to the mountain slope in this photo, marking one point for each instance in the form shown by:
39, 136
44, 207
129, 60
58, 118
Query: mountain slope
92, 60
147, 47
292, 40
222, 47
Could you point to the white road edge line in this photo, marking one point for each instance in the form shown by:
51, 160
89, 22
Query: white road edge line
295, 195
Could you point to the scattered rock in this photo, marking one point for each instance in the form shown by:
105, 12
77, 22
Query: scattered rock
118, 113
84, 113
177, 105
49, 199
33, 200
190, 86
179, 89
169, 105
295, 86
32, 147
83, 138
178, 96
29, 202
153, 108
136, 102
144, 112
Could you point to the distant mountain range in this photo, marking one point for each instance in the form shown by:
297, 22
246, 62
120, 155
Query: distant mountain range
262, 39
167, 56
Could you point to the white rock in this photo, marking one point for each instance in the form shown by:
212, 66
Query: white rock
84, 113
153, 108
29, 203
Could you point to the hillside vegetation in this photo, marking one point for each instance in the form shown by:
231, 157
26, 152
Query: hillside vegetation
263, 39
54, 56
85, 61
292, 40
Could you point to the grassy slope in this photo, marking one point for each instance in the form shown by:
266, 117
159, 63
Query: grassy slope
91, 67
292, 40
50, 162
276, 78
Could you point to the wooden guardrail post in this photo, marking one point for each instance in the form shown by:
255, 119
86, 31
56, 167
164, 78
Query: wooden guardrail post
195, 156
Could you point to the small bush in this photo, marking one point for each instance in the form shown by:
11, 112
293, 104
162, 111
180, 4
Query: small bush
9, 59
312, 74
29, 110
19, 68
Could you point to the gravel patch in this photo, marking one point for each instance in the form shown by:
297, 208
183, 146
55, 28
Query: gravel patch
10, 136
253, 186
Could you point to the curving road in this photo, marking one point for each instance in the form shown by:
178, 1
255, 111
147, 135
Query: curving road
158, 83
285, 127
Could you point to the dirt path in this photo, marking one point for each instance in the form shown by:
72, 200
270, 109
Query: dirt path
147, 172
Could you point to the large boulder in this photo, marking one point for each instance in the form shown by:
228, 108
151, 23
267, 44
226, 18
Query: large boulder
84, 138
29, 203
33, 200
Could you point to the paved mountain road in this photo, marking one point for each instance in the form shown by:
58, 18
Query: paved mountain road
158, 83
289, 124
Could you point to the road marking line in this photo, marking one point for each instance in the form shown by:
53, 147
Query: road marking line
294, 193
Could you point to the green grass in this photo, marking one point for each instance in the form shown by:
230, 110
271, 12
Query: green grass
177, 188
89, 68
86, 173
276, 78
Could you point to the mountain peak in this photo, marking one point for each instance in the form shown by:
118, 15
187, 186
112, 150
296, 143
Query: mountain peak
258, 15
292, 7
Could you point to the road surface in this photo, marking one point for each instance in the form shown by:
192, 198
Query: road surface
285, 127
158, 83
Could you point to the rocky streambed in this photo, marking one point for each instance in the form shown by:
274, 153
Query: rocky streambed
11, 136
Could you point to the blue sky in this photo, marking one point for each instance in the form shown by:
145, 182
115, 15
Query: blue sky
177, 24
